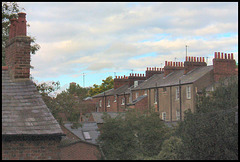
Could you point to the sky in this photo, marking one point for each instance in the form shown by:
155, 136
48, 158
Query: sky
85, 42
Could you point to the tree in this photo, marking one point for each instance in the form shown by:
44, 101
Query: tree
132, 136
77, 90
170, 149
106, 85
211, 133
9, 11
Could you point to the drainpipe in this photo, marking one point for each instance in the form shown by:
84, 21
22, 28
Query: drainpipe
180, 100
105, 107
149, 104
117, 103
157, 98
170, 103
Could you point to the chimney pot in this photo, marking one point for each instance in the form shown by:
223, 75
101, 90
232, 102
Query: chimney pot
203, 59
215, 54
225, 55
222, 55
194, 59
143, 75
218, 55
231, 56
174, 63
197, 59
147, 68
166, 63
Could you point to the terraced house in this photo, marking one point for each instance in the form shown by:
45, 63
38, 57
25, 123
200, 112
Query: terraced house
173, 89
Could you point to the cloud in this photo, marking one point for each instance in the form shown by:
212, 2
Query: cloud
100, 37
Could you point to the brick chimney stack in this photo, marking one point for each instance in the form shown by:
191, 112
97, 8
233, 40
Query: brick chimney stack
18, 49
223, 65
172, 66
151, 71
120, 81
193, 62
134, 77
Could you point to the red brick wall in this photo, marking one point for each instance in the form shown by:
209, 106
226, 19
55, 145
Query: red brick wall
223, 68
30, 150
18, 49
79, 151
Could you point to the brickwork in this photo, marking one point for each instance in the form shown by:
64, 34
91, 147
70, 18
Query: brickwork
79, 151
193, 62
30, 150
223, 65
18, 49
151, 71
172, 66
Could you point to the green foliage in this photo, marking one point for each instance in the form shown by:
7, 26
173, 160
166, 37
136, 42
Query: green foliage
211, 132
78, 91
170, 149
106, 85
9, 11
133, 136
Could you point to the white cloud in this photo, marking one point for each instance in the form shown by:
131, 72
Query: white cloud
99, 36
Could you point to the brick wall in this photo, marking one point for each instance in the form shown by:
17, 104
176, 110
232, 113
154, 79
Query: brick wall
18, 49
223, 65
30, 149
79, 151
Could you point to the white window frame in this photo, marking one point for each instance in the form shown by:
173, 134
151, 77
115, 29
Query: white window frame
87, 135
115, 98
108, 103
178, 115
123, 101
177, 93
136, 95
155, 96
100, 103
164, 116
145, 92
188, 92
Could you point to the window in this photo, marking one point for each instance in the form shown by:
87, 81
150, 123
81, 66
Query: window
145, 92
123, 101
178, 115
86, 135
100, 103
155, 96
136, 95
164, 115
135, 84
188, 92
108, 103
164, 89
177, 93
115, 98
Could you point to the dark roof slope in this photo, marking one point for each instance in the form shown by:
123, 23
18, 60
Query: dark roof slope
90, 127
173, 78
97, 116
137, 100
118, 91
23, 110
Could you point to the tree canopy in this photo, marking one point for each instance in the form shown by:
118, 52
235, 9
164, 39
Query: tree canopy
106, 85
132, 136
9, 11
211, 133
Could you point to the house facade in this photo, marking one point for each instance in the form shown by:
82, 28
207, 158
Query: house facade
170, 90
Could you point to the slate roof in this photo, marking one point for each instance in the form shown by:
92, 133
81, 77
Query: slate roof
173, 78
97, 116
23, 110
90, 127
137, 100
118, 91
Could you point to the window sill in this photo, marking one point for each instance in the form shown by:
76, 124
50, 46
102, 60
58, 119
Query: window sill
108, 106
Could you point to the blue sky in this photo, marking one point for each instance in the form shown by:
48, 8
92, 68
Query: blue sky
108, 38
